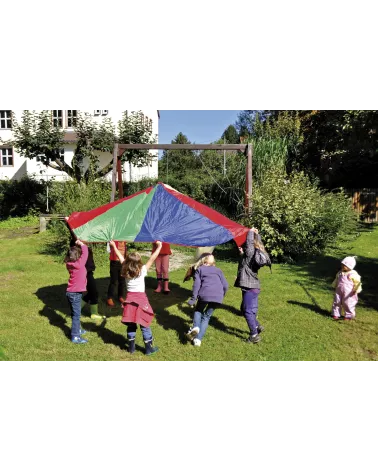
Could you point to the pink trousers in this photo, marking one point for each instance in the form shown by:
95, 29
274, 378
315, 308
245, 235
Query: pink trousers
344, 302
162, 266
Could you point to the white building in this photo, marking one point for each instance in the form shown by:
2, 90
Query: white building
13, 166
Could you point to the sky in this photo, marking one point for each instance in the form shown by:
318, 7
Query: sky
199, 126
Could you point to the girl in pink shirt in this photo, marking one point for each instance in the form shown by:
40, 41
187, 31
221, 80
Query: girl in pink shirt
75, 260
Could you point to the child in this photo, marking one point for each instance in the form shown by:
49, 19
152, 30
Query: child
193, 267
210, 286
75, 260
247, 280
162, 268
91, 296
115, 274
347, 284
137, 309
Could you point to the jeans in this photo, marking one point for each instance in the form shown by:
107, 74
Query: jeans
92, 293
202, 316
132, 329
249, 308
74, 300
115, 277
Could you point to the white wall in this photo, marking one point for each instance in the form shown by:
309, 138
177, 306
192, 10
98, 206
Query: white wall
22, 166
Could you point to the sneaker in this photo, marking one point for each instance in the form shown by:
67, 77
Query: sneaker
192, 333
260, 329
196, 342
82, 331
253, 338
336, 317
79, 340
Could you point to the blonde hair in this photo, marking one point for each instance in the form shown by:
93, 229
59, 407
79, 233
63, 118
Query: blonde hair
204, 259
132, 265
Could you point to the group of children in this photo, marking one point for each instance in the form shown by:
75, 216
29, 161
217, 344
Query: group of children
209, 289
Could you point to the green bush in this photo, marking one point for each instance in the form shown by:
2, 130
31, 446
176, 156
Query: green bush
17, 222
69, 197
22, 197
296, 218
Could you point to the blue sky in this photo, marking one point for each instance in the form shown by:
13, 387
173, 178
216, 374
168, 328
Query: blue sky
200, 126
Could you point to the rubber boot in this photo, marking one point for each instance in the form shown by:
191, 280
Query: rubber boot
166, 288
160, 286
150, 349
94, 313
131, 345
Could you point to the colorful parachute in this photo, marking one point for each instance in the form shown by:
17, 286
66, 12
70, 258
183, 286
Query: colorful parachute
157, 213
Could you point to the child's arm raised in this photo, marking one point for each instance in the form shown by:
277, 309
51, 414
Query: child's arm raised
84, 251
249, 246
116, 250
154, 255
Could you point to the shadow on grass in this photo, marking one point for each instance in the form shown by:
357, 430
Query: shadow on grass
322, 271
56, 310
308, 306
214, 322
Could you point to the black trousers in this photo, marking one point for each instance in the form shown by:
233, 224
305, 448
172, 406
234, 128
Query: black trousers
92, 294
116, 278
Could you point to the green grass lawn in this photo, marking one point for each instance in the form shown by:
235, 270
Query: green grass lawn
294, 307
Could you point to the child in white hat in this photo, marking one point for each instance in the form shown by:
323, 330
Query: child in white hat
347, 284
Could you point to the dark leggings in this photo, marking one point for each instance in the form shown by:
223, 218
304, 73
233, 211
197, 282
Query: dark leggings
116, 278
92, 294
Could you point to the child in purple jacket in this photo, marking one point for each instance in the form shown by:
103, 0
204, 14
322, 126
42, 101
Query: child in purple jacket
210, 286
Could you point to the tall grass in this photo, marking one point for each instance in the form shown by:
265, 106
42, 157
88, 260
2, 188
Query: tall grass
268, 153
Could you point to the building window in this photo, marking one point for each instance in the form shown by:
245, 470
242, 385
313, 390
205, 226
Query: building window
104, 112
5, 119
150, 125
57, 118
6, 156
71, 118
97, 112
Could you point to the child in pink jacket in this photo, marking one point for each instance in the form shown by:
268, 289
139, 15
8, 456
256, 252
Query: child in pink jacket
75, 260
347, 284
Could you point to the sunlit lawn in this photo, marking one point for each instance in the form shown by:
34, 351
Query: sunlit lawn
295, 304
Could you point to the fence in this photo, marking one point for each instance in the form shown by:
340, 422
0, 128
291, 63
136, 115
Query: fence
365, 202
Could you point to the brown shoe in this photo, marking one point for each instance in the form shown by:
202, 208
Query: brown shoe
110, 302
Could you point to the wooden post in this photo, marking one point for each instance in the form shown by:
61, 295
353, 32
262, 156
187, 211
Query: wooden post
249, 165
42, 224
120, 185
114, 171
248, 181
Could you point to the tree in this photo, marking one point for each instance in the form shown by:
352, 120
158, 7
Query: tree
132, 129
341, 146
37, 137
178, 163
230, 135
246, 121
